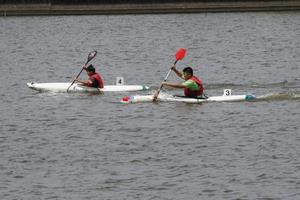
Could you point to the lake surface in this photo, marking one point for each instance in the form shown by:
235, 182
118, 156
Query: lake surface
81, 146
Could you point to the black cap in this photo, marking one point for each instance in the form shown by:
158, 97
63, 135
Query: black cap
90, 68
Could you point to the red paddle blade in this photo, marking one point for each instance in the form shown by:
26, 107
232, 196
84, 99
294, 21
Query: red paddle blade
180, 54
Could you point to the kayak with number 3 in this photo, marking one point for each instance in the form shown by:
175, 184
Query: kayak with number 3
172, 98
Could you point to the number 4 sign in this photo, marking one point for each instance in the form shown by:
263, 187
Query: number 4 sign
119, 81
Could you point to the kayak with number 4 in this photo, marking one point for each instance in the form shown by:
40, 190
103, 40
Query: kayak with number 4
63, 87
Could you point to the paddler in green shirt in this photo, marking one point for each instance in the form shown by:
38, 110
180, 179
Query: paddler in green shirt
192, 85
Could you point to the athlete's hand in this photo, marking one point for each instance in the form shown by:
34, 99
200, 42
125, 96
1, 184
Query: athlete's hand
165, 83
75, 79
84, 67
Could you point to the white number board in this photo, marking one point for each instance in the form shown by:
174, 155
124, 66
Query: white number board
227, 92
119, 80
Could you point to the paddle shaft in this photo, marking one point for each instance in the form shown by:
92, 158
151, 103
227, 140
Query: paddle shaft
77, 76
81, 71
161, 85
88, 60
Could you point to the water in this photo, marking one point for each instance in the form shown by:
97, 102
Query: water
80, 146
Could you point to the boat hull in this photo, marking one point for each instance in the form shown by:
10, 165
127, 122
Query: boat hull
62, 87
171, 98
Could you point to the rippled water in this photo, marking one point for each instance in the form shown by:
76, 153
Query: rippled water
80, 146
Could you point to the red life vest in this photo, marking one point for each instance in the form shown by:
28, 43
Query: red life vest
98, 79
194, 93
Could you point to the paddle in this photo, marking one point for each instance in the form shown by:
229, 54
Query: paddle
91, 55
179, 56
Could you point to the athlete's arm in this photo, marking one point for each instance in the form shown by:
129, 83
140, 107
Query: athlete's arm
174, 85
178, 73
81, 81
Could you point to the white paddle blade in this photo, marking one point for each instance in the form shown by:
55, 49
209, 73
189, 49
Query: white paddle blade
92, 55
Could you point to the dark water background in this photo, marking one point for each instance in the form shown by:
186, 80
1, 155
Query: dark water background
80, 146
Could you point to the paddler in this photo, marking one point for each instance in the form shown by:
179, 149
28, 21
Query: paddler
193, 87
94, 80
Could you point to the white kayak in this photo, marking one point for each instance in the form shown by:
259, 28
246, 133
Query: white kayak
62, 87
172, 98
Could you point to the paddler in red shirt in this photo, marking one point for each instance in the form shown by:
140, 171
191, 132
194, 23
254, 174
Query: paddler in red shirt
193, 87
94, 80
